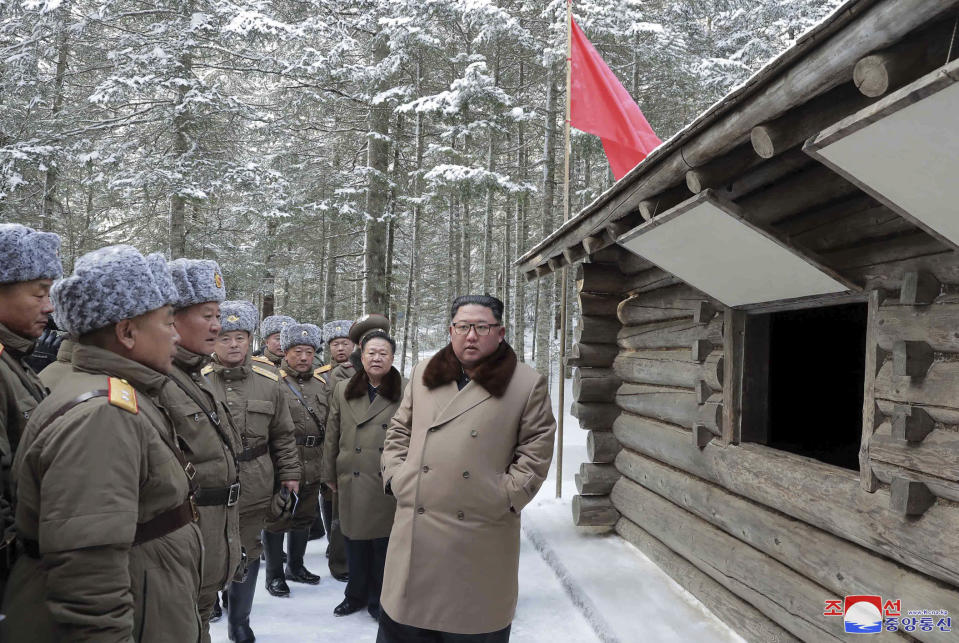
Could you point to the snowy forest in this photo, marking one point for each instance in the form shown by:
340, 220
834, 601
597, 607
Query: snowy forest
344, 156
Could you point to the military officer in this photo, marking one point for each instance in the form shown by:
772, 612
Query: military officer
269, 452
306, 395
270, 329
204, 427
111, 550
29, 262
347, 368
58, 369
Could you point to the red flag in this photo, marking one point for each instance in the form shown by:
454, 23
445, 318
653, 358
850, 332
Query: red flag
601, 105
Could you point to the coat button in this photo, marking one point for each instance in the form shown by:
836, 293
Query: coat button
426, 469
466, 474
358, 449
460, 515
473, 433
384, 426
420, 510
356, 474
229, 388
381, 449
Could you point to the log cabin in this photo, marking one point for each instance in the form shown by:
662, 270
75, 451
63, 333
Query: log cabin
767, 334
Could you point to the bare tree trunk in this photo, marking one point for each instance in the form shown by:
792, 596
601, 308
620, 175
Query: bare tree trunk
329, 298
53, 173
544, 309
488, 220
378, 156
181, 147
409, 318
466, 246
269, 279
522, 233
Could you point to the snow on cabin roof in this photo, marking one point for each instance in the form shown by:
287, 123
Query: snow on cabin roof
595, 216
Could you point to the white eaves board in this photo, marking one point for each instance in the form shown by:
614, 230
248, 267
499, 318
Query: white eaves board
904, 151
705, 242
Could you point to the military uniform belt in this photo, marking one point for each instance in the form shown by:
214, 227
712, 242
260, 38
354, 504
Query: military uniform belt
252, 453
157, 527
213, 496
314, 440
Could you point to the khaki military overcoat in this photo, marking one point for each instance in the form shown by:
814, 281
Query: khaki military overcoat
84, 482
462, 465
269, 452
20, 393
355, 432
211, 451
59, 368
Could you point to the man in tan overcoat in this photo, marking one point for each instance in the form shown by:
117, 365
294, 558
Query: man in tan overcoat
269, 452
360, 412
29, 262
468, 448
106, 521
204, 426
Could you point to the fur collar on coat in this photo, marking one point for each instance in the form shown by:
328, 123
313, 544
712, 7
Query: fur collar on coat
493, 374
390, 388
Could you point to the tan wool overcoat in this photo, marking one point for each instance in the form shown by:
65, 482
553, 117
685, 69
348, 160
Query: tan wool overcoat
355, 432
87, 477
462, 465
268, 448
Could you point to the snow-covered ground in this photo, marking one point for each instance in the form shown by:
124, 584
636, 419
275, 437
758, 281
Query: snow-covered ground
575, 585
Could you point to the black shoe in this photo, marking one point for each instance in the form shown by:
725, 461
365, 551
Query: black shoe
225, 600
241, 634
302, 575
217, 613
348, 606
278, 587
344, 577
374, 611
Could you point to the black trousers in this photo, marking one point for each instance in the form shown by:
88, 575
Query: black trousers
366, 560
392, 632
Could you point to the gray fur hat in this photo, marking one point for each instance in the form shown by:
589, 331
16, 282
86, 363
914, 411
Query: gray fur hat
336, 329
301, 335
238, 315
109, 285
26, 254
198, 281
274, 324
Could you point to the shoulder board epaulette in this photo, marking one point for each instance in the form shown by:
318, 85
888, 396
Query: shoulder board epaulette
317, 375
122, 395
263, 360
265, 373
1, 348
282, 373
323, 369
207, 369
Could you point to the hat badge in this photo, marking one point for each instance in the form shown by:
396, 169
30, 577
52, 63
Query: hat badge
218, 280
233, 319
304, 333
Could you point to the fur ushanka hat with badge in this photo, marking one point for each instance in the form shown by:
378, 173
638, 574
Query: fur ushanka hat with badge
109, 285
238, 315
274, 324
198, 281
301, 335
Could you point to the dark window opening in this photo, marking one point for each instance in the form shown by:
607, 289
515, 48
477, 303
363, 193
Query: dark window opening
803, 382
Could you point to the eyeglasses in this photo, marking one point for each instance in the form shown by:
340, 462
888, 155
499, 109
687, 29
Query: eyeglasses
463, 328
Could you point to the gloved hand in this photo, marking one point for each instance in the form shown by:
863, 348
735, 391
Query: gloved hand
280, 506
45, 350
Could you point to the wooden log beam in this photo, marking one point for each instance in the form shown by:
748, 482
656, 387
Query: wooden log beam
710, 415
761, 580
911, 424
574, 254
602, 278
792, 195
886, 473
718, 172
595, 384
663, 201
935, 457
937, 388
595, 416
770, 171
886, 70
556, 263
596, 355
593, 304
910, 498
595, 488
596, 330
833, 562
602, 447
801, 488
742, 617
670, 368
648, 280
919, 288
795, 126
611, 254
670, 334
673, 302
673, 405
630, 263
594, 243
594, 511
851, 221
936, 325
911, 359
599, 472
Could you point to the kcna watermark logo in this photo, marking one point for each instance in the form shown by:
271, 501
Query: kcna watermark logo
867, 614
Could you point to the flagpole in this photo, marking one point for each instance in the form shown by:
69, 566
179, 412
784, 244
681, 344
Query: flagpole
564, 272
